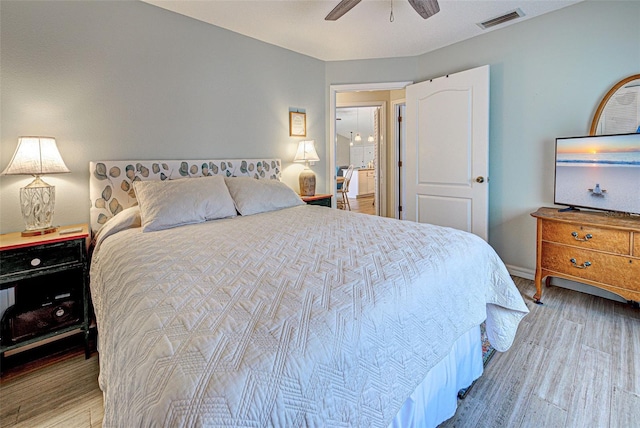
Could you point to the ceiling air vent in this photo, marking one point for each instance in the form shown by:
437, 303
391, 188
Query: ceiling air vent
509, 16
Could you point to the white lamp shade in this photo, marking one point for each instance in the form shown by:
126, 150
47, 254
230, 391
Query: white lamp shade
36, 156
306, 152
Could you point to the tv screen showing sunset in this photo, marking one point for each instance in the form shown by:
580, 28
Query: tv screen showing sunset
601, 172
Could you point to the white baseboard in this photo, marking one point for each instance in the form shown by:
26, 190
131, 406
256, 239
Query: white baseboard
564, 283
521, 272
584, 288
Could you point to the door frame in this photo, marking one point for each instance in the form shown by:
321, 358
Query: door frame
332, 136
398, 151
380, 198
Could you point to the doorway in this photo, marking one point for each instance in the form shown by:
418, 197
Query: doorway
359, 130
440, 153
385, 165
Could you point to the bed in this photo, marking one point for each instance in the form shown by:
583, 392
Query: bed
223, 300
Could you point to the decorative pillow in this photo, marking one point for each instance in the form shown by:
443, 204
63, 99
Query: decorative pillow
253, 196
171, 203
125, 219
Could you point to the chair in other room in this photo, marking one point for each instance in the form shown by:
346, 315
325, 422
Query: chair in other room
340, 170
343, 202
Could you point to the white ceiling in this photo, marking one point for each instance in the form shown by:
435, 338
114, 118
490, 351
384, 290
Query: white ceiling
356, 120
362, 33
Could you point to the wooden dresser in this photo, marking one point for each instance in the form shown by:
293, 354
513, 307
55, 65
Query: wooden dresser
592, 248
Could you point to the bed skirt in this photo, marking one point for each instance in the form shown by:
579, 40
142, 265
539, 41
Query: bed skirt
436, 398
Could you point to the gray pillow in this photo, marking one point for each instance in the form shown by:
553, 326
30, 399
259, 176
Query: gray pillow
171, 203
252, 196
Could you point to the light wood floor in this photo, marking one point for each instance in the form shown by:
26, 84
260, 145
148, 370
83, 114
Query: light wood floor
362, 205
575, 362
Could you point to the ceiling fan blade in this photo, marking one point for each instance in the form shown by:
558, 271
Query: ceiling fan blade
425, 8
343, 7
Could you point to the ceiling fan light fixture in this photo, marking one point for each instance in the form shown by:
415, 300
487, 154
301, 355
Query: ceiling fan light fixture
425, 8
341, 8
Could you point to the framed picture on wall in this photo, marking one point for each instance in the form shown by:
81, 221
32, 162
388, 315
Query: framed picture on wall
297, 124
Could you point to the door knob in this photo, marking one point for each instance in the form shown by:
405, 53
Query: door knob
480, 179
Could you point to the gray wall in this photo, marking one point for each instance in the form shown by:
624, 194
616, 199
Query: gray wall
126, 80
118, 80
548, 75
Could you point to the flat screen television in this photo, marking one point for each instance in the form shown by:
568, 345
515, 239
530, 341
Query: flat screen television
598, 172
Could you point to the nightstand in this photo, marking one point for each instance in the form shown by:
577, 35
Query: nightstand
49, 274
322, 200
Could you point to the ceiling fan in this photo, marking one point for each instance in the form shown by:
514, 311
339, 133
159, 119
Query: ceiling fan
425, 8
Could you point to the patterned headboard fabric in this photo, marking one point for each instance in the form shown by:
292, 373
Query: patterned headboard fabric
111, 189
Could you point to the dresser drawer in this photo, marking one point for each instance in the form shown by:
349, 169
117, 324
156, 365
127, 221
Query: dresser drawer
618, 271
609, 240
27, 260
636, 244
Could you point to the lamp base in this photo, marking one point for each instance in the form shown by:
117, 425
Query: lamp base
37, 201
307, 181
38, 232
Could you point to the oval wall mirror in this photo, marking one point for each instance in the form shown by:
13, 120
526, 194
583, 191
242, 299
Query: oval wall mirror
619, 110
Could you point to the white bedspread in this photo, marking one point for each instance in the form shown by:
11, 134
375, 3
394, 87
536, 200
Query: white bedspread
301, 317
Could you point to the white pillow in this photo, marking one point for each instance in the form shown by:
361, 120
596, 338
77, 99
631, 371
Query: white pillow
253, 196
171, 203
125, 219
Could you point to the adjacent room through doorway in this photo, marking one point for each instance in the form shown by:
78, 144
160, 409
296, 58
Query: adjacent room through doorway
358, 136
366, 109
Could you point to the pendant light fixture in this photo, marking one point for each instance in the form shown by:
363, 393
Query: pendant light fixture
358, 137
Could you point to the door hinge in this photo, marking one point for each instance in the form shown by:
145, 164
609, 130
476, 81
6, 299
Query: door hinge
400, 208
399, 164
399, 118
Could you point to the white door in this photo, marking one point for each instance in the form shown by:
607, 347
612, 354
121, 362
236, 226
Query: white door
447, 151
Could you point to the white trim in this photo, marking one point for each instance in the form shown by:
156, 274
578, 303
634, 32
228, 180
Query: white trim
381, 207
521, 272
331, 139
565, 283
397, 157
584, 288
355, 87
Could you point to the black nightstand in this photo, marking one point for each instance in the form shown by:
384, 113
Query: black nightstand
49, 274
322, 200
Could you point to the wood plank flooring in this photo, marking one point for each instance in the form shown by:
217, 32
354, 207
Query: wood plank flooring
362, 205
575, 362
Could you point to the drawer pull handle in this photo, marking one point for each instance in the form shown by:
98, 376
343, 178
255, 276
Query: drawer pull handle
36, 262
585, 239
576, 265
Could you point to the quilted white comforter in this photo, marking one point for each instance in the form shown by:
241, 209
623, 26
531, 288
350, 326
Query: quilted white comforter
301, 317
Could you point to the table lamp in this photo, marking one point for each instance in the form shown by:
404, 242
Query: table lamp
307, 179
37, 156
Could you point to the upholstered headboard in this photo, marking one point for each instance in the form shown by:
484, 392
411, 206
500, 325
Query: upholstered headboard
111, 189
